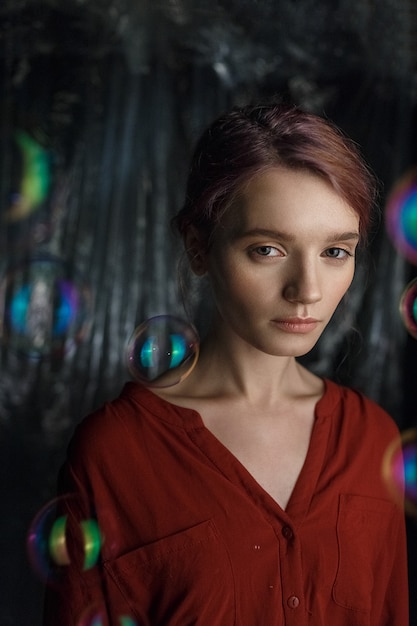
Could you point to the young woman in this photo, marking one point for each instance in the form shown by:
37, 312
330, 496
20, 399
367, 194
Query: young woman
251, 493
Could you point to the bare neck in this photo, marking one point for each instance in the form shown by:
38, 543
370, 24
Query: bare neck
229, 368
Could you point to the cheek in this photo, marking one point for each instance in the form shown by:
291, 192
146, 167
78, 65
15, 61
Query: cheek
337, 289
234, 289
228, 289
350, 278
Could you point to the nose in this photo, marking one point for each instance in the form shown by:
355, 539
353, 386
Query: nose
303, 284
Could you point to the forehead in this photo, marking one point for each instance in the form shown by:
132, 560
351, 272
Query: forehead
294, 200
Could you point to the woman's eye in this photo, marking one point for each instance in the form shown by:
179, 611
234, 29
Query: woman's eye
337, 253
266, 251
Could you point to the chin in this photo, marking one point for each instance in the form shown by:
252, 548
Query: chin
294, 350
287, 352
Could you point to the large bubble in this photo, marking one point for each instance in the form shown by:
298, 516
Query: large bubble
162, 351
55, 541
401, 215
44, 309
400, 470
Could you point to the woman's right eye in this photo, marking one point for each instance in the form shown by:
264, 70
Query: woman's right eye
266, 251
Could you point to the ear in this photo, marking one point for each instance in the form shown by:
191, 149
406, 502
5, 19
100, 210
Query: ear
196, 250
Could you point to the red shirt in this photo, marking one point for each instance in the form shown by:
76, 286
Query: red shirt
190, 538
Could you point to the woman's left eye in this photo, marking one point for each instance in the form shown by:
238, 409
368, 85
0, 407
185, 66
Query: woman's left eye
337, 253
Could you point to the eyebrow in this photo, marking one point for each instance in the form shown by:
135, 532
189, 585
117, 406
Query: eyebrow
274, 234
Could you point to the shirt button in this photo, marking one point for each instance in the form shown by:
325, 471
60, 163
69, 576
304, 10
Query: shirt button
287, 532
293, 602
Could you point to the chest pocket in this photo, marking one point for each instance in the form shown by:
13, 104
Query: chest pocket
364, 529
184, 579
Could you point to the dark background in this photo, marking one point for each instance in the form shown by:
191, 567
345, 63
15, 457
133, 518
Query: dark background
116, 92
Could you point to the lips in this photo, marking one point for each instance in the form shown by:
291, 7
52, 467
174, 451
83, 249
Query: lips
301, 325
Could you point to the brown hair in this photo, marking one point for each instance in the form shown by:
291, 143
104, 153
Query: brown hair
251, 139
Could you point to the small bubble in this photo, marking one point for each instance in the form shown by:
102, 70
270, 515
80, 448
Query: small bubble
162, 351
54, 542
408, 308
97, 616
400, 470
31, 176
125, 620
93, 616
401, 215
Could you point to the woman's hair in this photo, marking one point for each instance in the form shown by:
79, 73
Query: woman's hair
254, 138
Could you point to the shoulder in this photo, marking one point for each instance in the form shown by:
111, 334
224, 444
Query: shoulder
111, 418
135, 421
117, 426
358, 412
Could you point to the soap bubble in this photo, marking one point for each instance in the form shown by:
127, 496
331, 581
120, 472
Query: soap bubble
162, 351
54, 543
93, 616
31, 176
400, 470
44, 310
401, 215
408, 308
126, 620
97, 616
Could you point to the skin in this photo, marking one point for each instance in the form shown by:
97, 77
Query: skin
283, 254
285, 251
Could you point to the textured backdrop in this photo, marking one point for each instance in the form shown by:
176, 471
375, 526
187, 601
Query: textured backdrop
101, 103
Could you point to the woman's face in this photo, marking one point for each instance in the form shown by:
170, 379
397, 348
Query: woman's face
281, 260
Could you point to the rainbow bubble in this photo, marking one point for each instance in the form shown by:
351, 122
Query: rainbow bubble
408, 308
399, 470
44, 311
54, 542
125, 620
92, 542
57, 544
94, 616
35, 180
401, 215
162, 351
97, 616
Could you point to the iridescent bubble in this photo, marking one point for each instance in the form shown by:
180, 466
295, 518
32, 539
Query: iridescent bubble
56, 541
97, 616
162, 351
408, 308
400, 470
401, 215
125, 620
44, 309
33, 162
94, 616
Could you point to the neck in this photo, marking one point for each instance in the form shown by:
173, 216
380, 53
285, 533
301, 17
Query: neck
229, 366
